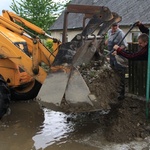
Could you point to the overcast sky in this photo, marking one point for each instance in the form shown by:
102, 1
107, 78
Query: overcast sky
4, 4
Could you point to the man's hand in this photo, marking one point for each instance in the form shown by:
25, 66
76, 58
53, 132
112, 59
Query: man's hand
138, 23
115, 50
115, 47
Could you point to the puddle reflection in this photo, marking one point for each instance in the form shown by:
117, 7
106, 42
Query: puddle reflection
55, 128
29, 127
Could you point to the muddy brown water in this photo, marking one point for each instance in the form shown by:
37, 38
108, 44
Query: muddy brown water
32, 127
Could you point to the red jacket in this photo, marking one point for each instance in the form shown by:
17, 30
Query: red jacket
141, 54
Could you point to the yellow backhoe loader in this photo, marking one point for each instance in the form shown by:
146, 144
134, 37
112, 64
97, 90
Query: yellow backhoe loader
22, 52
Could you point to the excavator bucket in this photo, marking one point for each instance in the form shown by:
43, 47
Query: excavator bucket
66, 87
65, 81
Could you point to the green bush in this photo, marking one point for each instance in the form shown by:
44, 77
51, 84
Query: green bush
49, 45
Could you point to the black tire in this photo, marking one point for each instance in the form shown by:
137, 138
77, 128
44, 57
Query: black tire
5, 97
19, 94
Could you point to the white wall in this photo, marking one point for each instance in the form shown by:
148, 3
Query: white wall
72, 33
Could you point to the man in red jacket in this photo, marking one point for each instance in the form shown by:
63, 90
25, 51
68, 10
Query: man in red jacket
142, 53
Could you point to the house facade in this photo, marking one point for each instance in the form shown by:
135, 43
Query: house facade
130, 11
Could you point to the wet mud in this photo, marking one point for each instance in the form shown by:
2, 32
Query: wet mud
31, 126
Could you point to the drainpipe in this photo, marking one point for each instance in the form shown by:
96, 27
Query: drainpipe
148, 79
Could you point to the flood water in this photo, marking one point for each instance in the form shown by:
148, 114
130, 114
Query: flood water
32, 127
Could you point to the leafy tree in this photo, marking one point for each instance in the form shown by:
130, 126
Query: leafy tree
42, 13
49, 45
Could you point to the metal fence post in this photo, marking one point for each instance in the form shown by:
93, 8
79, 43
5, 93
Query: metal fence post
148, 79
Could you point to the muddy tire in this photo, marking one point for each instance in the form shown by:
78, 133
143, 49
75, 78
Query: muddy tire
24, 93
5, 96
